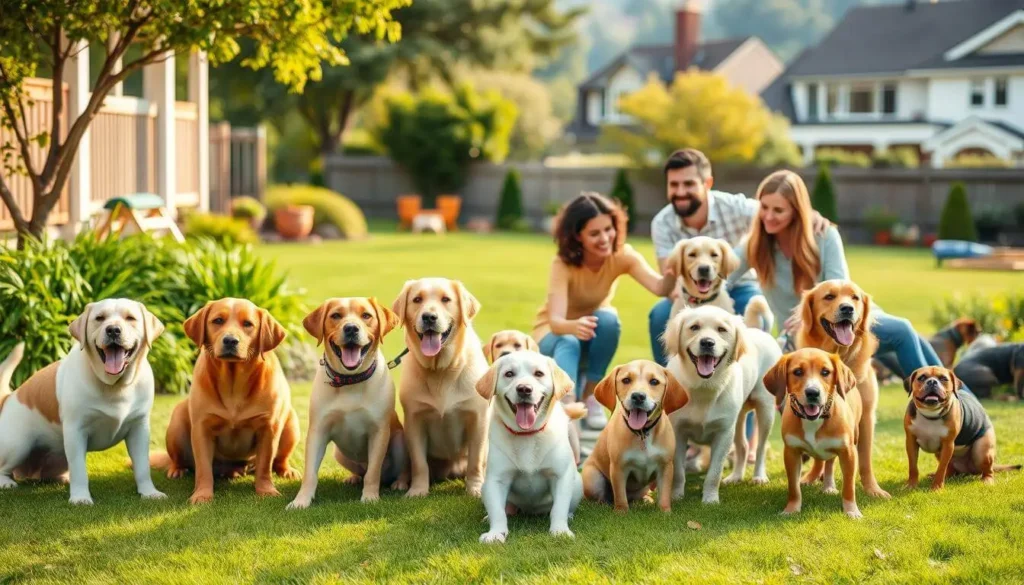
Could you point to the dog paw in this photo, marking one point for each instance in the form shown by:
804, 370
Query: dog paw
267, 491
81, 500
936, 487
732, 479
790, 510
400, 484
7, 483
851, 510
912, 485
175, 472
353, 480
288, 473
493, 537
369, 497
759, 480
562, 532
678, 494
154, 495
621, 509
711, 499
830, 490
416, 492
988, 480
201, 497
877, 492
299, 504
473, 490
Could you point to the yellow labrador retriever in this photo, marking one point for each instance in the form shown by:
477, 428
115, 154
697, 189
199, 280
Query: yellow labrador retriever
703, 264
446, 419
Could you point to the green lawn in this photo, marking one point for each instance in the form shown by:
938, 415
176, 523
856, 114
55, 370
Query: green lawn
968, 533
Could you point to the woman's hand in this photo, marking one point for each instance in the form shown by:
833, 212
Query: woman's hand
791, 325
668, 280
584, 327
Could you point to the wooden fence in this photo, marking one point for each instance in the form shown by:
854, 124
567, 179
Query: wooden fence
238, 164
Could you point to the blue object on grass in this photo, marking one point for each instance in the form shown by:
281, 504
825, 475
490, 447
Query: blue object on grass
946, 249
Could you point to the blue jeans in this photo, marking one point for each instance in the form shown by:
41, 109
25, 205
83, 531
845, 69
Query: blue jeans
897, 335
568, 350
657, 319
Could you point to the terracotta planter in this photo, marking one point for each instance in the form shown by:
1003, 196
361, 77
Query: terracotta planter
883, 238
294, 222
449, 206
928, 240
408, 207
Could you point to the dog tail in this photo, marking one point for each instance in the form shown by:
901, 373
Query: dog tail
159, 460
998, 468
758, 314
575, 410
8, 366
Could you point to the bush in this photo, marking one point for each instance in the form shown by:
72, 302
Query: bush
248, 208
978, 161
823, 197
991, 222
838, 157
223, 229
1018, 213
510, 204
623, 192
956, 222
880, 220
1000, 315
329, 207
46, 285
896, 158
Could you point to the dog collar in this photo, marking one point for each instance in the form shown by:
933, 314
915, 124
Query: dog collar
954, 335
337, 380
643, 433
398, 359
692, 300
942, 415
524, 433
826, 411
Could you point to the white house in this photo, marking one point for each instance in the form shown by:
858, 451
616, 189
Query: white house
746, 62
944, 77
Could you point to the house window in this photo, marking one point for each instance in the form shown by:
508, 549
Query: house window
832, 102
812, 101
889, 98
1000, 97
978, 92
862, 99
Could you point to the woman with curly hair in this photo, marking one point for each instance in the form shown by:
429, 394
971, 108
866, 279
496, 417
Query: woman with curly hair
578, 320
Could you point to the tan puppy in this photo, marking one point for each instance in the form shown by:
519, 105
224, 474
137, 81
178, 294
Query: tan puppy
821, 420
506, 341
239, 410
638, 446
353, 400
445, 418
835, 316
703, 264
945, 420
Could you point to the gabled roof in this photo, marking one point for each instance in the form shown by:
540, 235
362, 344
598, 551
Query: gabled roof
893, 38
660, 59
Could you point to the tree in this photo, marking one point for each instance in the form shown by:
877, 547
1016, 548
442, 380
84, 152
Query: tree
294, 38
700, 110
778, 150
510, 206
823, 198
435, 135
956, 222
623, 192
536, 125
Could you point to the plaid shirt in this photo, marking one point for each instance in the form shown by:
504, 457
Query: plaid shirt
729, 219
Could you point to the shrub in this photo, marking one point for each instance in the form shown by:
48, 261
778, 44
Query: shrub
838, 157
991, 222
978, 161
329, 207
879, 220
224, 229
823, 197
896, 158
956, 222
1001, 315
248, 208
510, 206
1018, 213
623, 192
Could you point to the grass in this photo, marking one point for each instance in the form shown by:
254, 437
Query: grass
967, 534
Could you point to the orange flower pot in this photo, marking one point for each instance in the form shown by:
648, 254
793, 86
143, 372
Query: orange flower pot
449, 206
408, 207
294, 222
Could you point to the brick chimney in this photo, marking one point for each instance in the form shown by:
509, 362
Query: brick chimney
687, 34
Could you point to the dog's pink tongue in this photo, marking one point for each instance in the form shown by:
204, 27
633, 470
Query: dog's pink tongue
844, 333
351, 355
812, 409
706, 365
526, 415
115, 360
430, 345
703, 285
636, 419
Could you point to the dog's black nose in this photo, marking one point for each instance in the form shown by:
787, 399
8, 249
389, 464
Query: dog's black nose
931, 383
113, 331
524, 389
350, 329
429, 318
704, 271
812, 394
638, 397
707, 343
846, 310
230, 342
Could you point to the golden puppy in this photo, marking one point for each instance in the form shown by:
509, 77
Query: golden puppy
353, 399
506, 341
446, 419
835, 316
943, 419
821, 421
703, 264
239, 410
637, 447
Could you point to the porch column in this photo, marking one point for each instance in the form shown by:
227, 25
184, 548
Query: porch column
199, 94
76, 75
808, 148
158, 88
118, 89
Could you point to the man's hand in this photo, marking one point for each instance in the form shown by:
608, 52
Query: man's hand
819, 223
791, 325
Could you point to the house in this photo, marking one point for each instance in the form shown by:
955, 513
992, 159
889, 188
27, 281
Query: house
944, 78
746, 62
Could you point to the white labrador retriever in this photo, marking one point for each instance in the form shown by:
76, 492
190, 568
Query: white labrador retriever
721, 362
98, 395
530, 463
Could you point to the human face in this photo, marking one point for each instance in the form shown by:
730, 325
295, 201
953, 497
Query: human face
598, 236
776, 213
685, 190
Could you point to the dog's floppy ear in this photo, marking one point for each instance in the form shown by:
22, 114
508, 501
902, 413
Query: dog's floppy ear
908, 382
562, 382
670, 337
676, 396
80, 325
151, 326
864, 326
489, 348
678, 258
957, 384
398, 307
271, 333
387, 320
485, 386
467, 302
775, 380
604, 392
195, 326
730, 261
846, 380
531, 344
741, 348
315, 322
807, 320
